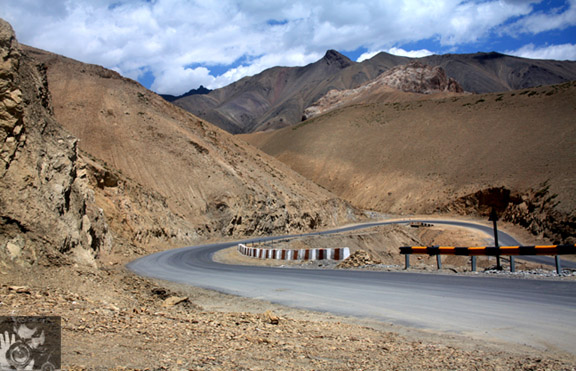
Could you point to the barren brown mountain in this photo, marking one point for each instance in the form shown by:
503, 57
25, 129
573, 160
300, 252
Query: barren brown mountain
516, 149
277, 97
212, 180
269, 100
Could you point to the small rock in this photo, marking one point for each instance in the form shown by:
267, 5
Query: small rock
19, 289
272, 318
14, 250
174, 300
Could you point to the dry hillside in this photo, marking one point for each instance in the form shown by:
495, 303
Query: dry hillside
435, 154
213, 181
93, 163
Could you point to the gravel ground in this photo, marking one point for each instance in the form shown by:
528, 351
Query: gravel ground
113, 319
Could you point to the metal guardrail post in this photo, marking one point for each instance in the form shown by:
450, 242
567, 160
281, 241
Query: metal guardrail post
473, 264
406, 261
558, 266
439, 261
512, 264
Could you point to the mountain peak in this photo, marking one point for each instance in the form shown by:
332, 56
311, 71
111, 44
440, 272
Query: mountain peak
334, 57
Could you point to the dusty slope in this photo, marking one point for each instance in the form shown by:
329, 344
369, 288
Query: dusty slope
212, 180
420, 156
277, 97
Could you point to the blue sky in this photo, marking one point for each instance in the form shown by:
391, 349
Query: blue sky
172, 46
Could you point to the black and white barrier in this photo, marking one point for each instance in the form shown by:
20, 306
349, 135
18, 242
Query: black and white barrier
339, 253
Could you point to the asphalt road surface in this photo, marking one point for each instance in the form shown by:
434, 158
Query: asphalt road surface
537, 313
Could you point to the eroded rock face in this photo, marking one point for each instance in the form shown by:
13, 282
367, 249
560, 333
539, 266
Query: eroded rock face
11, 108
414, 77
534, 210
419, 78
47, 208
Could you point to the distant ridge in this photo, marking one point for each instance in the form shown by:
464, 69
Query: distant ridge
277, 97
495, 72
200, 90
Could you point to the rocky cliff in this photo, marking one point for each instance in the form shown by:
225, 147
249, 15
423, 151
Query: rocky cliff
47, 207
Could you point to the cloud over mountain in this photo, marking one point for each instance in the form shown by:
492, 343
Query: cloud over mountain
174, 46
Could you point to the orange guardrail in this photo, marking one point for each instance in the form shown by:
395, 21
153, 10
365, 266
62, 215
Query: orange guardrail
490, 250
475, 251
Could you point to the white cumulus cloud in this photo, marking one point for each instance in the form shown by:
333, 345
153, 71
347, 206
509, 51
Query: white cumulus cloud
556, 52
397, 51
186, 43
557, 18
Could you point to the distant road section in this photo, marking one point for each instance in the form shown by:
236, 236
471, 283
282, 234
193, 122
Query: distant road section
538, 313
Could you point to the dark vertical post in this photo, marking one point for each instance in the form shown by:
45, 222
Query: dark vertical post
407, 261
439, 261
494, 217
558, 267
512, 264
473, 263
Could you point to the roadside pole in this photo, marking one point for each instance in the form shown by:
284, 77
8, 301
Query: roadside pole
494, 218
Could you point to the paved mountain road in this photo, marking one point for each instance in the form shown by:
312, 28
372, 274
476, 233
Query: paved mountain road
539, 313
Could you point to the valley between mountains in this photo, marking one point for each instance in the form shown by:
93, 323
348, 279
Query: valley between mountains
96, 171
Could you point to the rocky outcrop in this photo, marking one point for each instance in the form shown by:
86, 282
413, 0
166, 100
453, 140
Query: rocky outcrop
535, 210
47, 208
413, 77
416, 77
